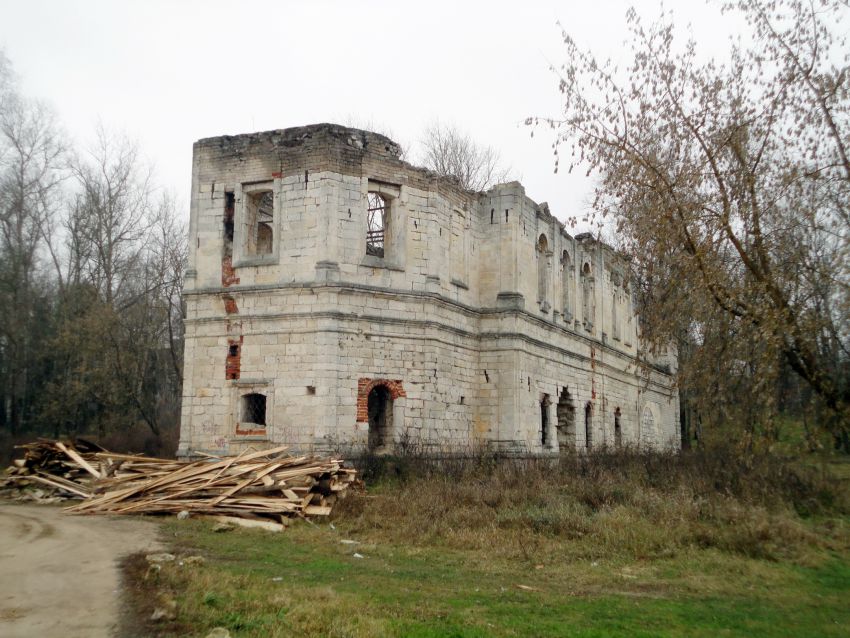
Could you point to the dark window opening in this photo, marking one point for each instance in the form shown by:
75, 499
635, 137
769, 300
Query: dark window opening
376, 217
566, 414
380, 411
311, 389
618, 430
233, 350
229, 208
544, 420
588, 425
254, 409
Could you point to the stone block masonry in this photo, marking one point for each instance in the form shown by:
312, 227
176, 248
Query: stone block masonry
337, 296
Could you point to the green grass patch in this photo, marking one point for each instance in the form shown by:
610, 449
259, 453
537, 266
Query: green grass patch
306, 583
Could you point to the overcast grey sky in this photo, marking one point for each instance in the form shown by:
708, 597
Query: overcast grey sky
171, 72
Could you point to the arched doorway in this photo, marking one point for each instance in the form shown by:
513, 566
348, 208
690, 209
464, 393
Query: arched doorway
566, 413
618, 430
380, 410
545, 434
588, 425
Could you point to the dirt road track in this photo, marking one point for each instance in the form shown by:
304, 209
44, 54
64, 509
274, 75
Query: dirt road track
59, 574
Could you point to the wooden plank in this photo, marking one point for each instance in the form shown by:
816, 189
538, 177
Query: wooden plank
67, 488
271, 468
78, 459
269, 526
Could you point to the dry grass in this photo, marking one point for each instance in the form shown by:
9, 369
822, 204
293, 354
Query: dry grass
625, 504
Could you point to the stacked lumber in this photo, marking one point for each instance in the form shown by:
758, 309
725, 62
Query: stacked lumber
46, 464
266, 485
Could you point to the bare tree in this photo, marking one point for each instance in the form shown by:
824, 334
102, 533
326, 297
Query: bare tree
119, 323
449, 152
731, 183
112, 212
30, 155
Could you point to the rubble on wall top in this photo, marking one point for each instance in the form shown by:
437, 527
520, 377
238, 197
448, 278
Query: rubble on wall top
308, 135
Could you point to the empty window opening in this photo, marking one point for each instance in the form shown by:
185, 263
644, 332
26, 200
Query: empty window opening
376, 216
588, 425
545, 435
566, 415
311, 389
618, 430
229, 208
233, 350
260, 223
254, 409
380, 410
462, 399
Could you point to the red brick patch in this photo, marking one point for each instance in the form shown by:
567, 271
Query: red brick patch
234, 358
228, 273
366, 385
256, 432
230, 306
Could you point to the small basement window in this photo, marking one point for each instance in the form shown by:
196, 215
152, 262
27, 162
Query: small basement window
254, 409
260, 223
376, 216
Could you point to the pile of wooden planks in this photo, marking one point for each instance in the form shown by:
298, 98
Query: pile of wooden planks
265, 485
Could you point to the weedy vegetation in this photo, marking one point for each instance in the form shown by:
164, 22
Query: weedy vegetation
630, 543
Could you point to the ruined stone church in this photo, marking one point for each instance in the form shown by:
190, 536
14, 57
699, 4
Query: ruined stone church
338, 297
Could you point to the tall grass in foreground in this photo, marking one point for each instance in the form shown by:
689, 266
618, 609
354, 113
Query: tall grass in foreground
610, 504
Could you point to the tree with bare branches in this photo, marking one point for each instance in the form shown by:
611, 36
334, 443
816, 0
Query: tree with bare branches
730, 185
31, 153
449, 152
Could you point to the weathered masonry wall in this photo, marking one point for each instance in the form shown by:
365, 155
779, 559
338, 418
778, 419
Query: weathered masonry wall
337, 296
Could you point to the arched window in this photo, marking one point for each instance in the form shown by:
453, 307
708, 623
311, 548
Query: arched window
618, 429
545, 434
588, 305
615, 316
567, 285
380, 411
566, 414
543, 272
588, 425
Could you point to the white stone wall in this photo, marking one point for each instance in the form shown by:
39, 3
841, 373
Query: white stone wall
457, 312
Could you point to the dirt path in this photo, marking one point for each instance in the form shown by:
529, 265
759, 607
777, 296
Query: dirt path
59, 574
